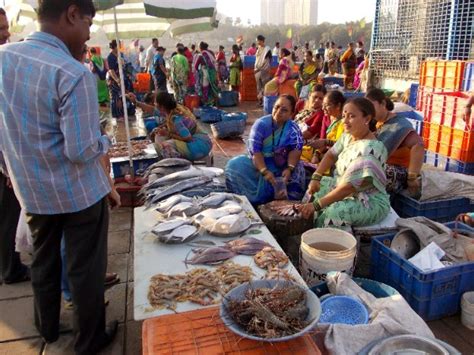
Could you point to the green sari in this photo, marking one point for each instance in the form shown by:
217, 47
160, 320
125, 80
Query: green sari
100, 71
307, 72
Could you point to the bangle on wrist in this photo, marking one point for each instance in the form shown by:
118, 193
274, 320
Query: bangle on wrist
263, 171
317, 205
316, 177
291, 167
413, 176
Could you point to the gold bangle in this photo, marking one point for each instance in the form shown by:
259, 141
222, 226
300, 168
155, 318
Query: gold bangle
263, 171
291, 167
316, 177
317, 205
413, 176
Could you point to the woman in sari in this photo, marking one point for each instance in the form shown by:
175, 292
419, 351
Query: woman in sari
274, 148
100, 68
310, 120
360, 77
235, 68
356, 195
308, 74
205, 74
282, 74
113, 82
333, 57
222, 72
180, 137
179, 74
405, 147
349, 64
331, 127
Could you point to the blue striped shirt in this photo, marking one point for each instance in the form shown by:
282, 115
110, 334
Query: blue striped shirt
50, 135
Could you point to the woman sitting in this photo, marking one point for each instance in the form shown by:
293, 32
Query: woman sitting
310, 120
180, 136
332, 127
308, 74
274, 147
405, 147
282, 74
356, 195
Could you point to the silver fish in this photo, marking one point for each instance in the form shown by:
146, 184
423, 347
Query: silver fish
215, 199
179, 235
162, 171
230, 207
247, 246
210, 256
230, 225
182, 175
165, 227
172, 162
184, 208
166, 205
176, 188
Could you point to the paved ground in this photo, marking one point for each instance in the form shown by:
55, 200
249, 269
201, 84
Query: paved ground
18, 335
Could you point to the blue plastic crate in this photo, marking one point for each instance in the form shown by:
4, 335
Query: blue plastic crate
333, 80
121, 166
235, 116
468, 79
249, 61
268, 102
228, 98
274, 62
352, 94
210, 114
416, 120
439, 210
448, 164
413, 95
433, 295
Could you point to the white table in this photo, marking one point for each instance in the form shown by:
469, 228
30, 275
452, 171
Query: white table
152, 257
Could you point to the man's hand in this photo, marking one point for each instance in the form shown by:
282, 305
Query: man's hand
114, 199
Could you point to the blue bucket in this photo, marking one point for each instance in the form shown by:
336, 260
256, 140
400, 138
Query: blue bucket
343, 310
249, 61
228, 98
211, 115
377, 289
268, 102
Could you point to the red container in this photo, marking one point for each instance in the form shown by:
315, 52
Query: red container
143, 82
192, 101
288, 88
128, 193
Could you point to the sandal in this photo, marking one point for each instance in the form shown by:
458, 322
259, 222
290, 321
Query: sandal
111, 278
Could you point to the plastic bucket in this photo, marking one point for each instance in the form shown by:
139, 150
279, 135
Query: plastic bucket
318, 257
268, 102
467, 310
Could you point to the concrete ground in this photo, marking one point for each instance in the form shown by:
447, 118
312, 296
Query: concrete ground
17, 332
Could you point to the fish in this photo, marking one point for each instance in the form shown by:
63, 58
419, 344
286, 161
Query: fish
162, 171
166, 205
230, 225
215, 199
182, 175
172, 162
230, 207
204, 190
247, 246
168, 226
184, 208
176, 188
210, 256
179, 235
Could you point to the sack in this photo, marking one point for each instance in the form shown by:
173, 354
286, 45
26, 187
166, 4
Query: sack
304, 92
23, 240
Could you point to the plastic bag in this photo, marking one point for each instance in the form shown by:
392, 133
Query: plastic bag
23, 239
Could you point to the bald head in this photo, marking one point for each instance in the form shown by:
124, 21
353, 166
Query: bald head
4, 33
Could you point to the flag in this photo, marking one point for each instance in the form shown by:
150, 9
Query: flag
362, 23
239, 39
289, 33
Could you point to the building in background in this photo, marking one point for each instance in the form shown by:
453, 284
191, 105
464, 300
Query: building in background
289, 12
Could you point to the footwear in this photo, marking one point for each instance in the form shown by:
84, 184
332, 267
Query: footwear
109, 335
69, 306
25, 277
111, 278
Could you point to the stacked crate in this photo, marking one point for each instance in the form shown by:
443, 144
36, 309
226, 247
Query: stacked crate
449, 139
248, 84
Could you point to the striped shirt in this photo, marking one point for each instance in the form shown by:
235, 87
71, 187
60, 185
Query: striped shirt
49, 127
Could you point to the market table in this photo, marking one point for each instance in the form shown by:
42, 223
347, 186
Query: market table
152, 257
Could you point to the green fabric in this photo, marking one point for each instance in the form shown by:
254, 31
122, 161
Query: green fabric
234, 75
102, 91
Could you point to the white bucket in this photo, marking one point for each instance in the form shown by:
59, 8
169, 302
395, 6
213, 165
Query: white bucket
467, 308
316, 263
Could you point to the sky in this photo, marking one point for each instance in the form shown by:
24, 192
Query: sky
347, 10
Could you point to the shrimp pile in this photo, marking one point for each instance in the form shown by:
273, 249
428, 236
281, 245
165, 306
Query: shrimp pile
269, 257
271, 312
120, 149
275, 273
200, 285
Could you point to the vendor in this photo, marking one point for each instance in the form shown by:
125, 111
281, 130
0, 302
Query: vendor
356, 195
282, 74
310, 120
149, 111
405, 147
274, 147
307, 75
332, 126
180, 136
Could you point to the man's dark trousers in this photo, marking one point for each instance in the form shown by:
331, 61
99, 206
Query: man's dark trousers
85, 237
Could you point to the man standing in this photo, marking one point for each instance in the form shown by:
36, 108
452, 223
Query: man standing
51, 143
150, 56
142, 59
276, 49
160, 73
262, 67
11, 268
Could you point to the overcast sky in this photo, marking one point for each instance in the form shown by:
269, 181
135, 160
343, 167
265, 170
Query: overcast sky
334, 11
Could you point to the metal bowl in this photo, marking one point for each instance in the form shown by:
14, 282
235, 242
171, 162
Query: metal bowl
405, 243
408, 344
238, 293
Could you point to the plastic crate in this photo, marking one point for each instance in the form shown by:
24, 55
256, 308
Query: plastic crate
413, 95
143, 82
333, 80
228, 129
121, 166
416, 120
433, 295
454, 143
448, 164
228, 98
268, 102
439, 210
210, 114
446, 108
235, 116
442, 74
203, 332
128, 193
468, 79
288, 88
274, 62
249, 61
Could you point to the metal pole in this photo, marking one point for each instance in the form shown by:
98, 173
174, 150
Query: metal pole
124, 103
